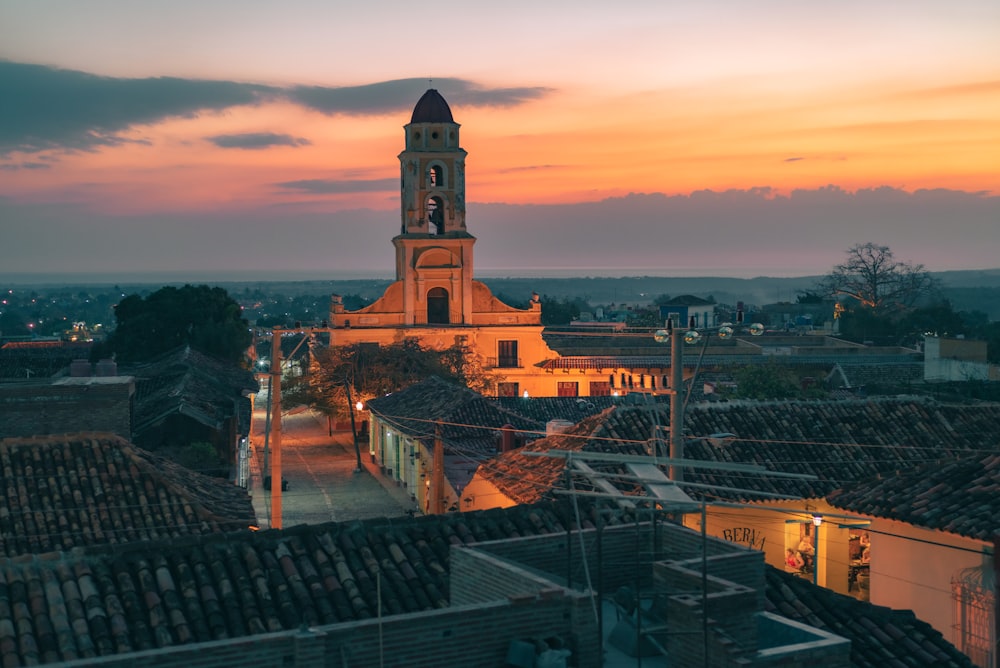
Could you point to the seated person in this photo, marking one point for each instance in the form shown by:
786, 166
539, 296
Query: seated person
793, 561
806, 551
866, 555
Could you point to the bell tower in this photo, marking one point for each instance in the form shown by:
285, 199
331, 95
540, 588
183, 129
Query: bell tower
433, 248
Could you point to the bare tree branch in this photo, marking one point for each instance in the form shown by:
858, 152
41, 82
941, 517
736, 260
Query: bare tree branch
875, 278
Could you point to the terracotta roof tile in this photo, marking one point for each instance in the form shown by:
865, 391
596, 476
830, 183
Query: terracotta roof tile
103, 601
66, 491
197, 385
840, 442
879, 636
959, 496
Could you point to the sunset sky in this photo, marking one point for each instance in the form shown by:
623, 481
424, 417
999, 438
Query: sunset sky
721, 137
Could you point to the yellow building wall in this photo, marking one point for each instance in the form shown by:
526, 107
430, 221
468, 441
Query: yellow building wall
772, 531
481, 494
912, 569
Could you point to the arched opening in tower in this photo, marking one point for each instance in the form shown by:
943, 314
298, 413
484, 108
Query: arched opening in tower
434, 177
435, 215
437, 306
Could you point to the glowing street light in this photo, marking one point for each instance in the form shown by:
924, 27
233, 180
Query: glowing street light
817, 521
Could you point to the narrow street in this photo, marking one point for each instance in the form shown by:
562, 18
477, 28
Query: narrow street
320, 470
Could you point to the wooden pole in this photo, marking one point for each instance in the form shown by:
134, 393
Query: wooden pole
275, 391
437, 479
676, 400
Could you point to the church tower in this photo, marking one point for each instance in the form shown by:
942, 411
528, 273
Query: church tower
433, 249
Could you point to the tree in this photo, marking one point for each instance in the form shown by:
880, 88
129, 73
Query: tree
877, 280
809, 297
557, 311
769, 381
205, 318
372, 370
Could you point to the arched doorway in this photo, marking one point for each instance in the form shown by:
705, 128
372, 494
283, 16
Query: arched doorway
437, 306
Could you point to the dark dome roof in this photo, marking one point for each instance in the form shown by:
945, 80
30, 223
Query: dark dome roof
431, 108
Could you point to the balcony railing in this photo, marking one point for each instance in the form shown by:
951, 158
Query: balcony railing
504, 363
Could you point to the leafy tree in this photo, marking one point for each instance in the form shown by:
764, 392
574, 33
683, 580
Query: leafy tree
13, 323
938, 319
203, 317
766, 381
200, 456
809, 297
872, 276
561, 311
645, 317
371, 370
861, 324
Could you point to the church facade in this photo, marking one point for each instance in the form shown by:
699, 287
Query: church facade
435, 298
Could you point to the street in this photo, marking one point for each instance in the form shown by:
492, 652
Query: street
323, 483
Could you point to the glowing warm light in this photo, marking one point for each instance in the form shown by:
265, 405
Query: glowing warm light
359, 406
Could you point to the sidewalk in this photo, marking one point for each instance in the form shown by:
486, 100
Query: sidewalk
321, 471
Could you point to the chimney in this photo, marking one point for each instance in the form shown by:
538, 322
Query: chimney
507, 442
80, 369
106, 367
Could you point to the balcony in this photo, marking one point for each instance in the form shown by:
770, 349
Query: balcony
504, 363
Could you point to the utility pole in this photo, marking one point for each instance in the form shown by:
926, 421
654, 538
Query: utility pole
437, 473
275, 396
676, 473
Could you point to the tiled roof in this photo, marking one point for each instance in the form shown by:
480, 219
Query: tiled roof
959, 496
879, 636
186, 381
39, 359
837, 441
101, 602
166, 593
544, 409
468, 420
61, 492
527, 479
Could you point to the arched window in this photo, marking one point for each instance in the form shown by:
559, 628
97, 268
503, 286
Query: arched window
434, 175
437, 306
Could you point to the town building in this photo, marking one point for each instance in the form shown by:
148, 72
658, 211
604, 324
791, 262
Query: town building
938, 528
435, 298
957, 360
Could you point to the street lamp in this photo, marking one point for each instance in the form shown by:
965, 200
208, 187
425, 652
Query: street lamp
817, 521
354, 428
673, 335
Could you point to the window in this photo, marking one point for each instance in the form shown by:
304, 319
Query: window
974, 606
568, 389
508, 390
434, 177
507, 355
600, 388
